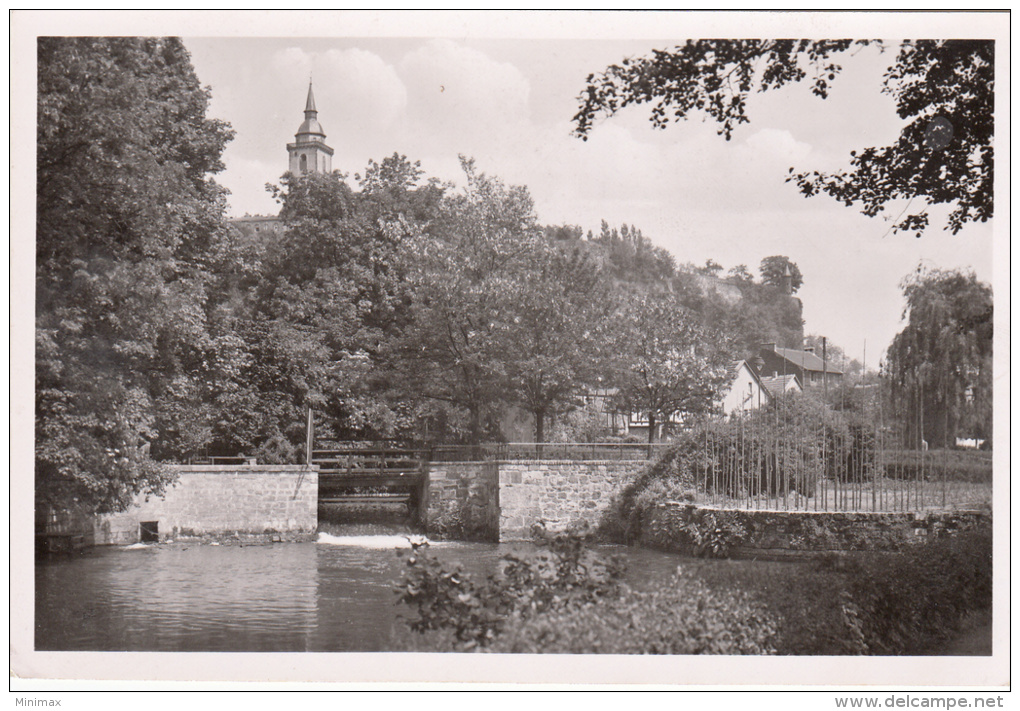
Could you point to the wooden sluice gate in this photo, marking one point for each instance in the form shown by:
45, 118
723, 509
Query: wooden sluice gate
370, 475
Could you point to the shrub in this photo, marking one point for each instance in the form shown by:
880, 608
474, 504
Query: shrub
709, 538
915, 465
563, 573
684, 618
891, 603
906, 601
774, 451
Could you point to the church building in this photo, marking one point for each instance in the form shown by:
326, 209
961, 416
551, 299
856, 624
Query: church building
309, 152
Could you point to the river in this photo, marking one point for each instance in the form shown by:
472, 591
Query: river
333, 595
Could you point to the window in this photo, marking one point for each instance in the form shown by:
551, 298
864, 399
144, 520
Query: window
304, 163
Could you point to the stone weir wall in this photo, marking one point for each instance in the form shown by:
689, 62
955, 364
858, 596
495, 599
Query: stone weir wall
558, 492
692, 529
503, 500
221, 500
461, 500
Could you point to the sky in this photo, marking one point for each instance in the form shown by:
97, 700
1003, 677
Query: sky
508, 103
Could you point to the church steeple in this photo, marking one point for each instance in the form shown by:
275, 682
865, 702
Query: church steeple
309, 152
310, 102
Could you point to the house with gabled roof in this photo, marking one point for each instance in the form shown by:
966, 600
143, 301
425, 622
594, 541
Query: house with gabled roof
744, 390
809, 368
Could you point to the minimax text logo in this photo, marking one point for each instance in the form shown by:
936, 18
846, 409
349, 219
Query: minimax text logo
36, 702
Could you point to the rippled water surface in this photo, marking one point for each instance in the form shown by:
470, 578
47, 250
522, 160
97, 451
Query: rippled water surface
333, 595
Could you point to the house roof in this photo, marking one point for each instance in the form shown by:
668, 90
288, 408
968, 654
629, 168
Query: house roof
779, 384
807, 361
734, 368
733, 371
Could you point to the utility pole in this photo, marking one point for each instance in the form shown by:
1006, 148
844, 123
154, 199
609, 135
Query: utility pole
825, 372
309, 436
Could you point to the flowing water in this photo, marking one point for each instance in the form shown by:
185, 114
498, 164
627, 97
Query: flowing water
332, 595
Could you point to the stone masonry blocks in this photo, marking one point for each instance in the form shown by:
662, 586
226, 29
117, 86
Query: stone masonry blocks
785, 534
210, 500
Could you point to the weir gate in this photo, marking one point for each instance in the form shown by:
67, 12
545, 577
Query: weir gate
372, 476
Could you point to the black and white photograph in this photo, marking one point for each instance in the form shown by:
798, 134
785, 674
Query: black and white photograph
511, 347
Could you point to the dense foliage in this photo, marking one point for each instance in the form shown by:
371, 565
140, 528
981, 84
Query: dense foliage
126, 212
667, 362
886, 604
562, 575
878, 603
899, 604
684, 616
565, 598
944, 90
940, 364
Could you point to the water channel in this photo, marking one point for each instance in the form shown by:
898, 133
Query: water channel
332, 595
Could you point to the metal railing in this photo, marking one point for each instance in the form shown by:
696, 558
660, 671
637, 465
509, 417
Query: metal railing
813, 469
545, 451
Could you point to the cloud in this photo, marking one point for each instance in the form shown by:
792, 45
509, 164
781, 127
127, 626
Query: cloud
462, 97
292, 61
246, 180
772, 144
365, 91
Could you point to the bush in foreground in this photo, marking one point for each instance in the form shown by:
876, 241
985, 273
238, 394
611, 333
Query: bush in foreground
880, 603
685, 617
564, 598
903, 603
563, 573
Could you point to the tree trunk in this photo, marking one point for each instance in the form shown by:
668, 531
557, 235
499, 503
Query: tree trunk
651, 428
476, 424
539, 426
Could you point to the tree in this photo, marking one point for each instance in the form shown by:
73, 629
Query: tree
126, 213
739, 274
632, 256
944, 90
667, 363
773, 273
393, 189
464, 276
556, 335
327, 296
940, 364
711, 268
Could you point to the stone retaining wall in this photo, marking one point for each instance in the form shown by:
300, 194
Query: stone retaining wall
461, 500
682, 527
218, 500
558, 492
501, 501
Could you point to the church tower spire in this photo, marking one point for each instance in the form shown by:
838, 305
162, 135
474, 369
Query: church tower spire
309, 152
